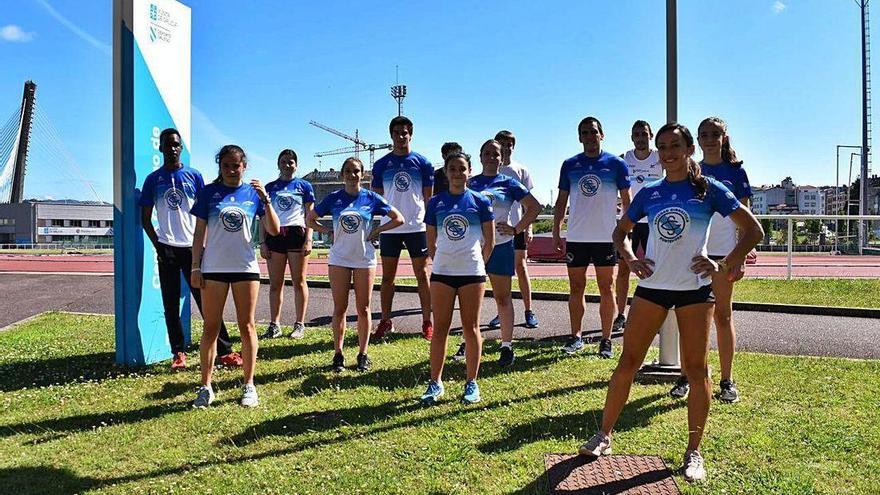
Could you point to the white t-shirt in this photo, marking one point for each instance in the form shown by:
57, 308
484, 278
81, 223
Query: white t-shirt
231, 213
519, 172
459, 222
642, 172
402, 179
592, 184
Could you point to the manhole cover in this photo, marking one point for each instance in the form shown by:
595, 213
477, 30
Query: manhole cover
616, 474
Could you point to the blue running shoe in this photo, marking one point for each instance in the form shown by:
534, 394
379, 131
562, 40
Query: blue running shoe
531, 319
573, 345
495, 323
434, 392
471, 393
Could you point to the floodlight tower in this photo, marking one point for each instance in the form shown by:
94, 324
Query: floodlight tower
398, 91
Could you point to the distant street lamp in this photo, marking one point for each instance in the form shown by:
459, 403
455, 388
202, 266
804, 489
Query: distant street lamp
398, 91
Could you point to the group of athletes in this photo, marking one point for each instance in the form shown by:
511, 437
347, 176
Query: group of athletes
472, 226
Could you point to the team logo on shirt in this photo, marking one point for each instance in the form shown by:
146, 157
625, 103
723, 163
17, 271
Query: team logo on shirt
490, 195
402, 181
641, 178
173, 198
455, 227
672, 223
285, 201
232, 218
350, 222
589, 184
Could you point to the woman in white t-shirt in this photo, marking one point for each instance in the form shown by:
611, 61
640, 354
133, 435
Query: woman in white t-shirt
224, 258
461, 236
352, 255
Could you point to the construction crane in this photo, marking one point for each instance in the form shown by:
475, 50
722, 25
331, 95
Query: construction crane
359, 144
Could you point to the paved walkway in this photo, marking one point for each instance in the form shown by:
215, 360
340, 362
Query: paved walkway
767, 267
28, 294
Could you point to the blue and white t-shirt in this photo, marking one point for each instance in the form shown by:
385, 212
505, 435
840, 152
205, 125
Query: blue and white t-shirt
642, 172
402, 179
502, 191
459, 222
173, 194
352, 223
231, 213
289, 198
592, 184
679, 224
722, 234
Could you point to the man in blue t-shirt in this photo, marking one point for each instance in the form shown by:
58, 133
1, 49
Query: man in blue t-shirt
589, 184
171, 190
405, 179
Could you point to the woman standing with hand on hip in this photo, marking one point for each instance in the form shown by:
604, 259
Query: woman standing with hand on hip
224, 258
292, 198
674, 274
352, 255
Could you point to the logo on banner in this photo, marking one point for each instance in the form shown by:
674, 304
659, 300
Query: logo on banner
232, 218
589, 184
671, 224
402, 181
173, 198
455, 227
162, 24
350, 222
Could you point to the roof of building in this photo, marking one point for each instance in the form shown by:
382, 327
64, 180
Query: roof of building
68, 202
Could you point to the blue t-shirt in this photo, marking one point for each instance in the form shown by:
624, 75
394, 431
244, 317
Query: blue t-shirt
231, 213
679, 224
289, 198
402, 179
722, 233
173, 194
502, 191
592, 184
352, 223
459, 222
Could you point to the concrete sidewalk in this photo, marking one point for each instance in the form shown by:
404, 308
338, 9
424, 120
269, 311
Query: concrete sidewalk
26, 295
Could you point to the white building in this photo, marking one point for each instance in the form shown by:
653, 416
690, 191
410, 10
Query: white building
808, 200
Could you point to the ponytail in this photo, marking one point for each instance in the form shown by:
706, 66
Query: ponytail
695, 177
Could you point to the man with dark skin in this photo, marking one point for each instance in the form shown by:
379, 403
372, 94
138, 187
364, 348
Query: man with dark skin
171, 191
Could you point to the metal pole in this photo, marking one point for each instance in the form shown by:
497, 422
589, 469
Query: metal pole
790, 246
863, 189
671, 61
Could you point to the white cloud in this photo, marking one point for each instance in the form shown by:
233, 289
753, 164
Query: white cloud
778, 7
15, 34
79, 32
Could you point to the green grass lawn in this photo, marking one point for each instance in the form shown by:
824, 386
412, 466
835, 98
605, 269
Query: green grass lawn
72, 422
837, 292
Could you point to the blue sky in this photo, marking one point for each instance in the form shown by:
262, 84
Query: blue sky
784, 74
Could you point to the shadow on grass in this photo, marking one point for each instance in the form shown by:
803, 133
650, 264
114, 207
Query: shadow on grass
44, 480
323, 321
638, 413
66, 370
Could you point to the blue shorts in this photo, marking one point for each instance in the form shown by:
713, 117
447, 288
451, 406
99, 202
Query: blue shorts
390, 245
501, 260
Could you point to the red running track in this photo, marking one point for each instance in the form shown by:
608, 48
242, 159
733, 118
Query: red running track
767, 266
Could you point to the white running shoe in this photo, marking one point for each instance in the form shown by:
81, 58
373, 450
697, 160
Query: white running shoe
204, 397
597, 446
693, 466
249, 396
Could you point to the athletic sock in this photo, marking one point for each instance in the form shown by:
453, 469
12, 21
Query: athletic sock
507, 344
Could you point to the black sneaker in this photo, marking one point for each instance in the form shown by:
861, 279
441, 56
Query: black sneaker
338, 362
681, 388
273, 331
506, 358
619, 323
363, 362
728, 392
605, 349
459, 354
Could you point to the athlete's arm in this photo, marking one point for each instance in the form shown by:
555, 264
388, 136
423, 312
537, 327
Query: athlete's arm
147, 223
751, 234
312, 222
269, 220
558, 215
431, 233
427, 192
307, 245
488, 239
395, 220
195, 276
264, 250
625, 199
642, 268
378, 190
531, 209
